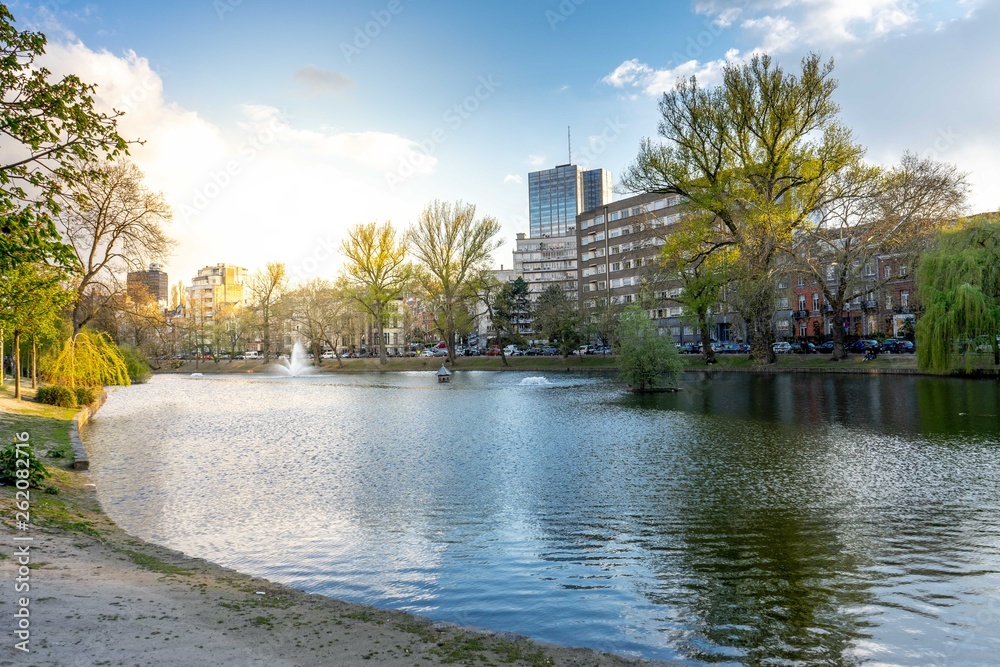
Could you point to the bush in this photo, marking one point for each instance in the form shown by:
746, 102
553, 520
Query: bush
57, 395
85, 395
136, 363
8, 466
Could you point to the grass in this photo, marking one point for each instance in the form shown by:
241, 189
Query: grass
154, 564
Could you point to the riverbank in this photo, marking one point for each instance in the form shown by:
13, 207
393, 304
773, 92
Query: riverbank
100, 596
819, 363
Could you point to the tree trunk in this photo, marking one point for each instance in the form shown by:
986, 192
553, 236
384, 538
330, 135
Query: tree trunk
839, 352
34, 363
706, 338
17, 365
761, 338
3, 361
380, 332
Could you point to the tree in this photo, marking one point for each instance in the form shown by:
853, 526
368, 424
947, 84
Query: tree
556, 318
266, 287
31, 297
316, 307
50, 135
644, 356
959, 283
756, 154
113, 224
452, 247
376, 268
507, 306
689, 258
873, 212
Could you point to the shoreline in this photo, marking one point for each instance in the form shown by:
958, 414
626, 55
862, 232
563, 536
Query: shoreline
105, 595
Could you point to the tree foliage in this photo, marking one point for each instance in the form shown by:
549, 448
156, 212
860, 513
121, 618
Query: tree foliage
452, 247
959, 283
266, 287
377, 271
556, 319
644, 356
90, 359
50, 135
756, 154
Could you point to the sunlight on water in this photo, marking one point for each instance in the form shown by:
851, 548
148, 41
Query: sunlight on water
799, 519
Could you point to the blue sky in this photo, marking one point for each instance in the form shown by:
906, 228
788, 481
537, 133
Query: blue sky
272, 128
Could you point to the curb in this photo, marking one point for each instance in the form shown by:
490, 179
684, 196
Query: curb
80, 419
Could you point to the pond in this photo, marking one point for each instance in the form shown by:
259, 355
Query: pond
746, 519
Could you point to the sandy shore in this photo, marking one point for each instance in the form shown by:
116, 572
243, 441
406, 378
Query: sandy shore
101, 597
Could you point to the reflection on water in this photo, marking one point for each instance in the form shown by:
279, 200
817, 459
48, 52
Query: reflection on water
752, 519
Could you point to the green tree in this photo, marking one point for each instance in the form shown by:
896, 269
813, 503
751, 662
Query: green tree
31, 297
508, 307
453, 248
644, 356
556, 318
377, 270
756, 154
50, 135
959, 284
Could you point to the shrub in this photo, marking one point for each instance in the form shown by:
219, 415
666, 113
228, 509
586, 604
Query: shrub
8, 466
136, 363
57, 395
85, 395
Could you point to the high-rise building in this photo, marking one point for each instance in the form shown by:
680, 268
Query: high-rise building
154, 281
556, 196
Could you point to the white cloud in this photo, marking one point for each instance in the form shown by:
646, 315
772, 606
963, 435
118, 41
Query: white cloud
535, 160
513, 178
254, 191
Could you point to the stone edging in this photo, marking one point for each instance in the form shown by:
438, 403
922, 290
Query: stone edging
80, 419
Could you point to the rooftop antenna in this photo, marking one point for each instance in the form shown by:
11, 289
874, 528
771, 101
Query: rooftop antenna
569, 145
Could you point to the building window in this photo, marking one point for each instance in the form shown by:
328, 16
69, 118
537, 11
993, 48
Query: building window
904, 299
783, 303
802, 302
869, 269
888, 302
801, 282
815, 301
888, 271
902, 270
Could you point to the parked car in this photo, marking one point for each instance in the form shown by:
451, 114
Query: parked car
863, 345
905, 347
782, 347
888, 345
803, 348
826, 347
550, 351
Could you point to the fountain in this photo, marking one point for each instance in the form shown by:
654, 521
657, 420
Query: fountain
535, 380
298, 365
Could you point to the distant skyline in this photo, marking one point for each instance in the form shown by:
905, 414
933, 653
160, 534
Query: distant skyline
272, 131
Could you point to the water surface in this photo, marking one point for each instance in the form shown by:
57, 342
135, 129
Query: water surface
788, 519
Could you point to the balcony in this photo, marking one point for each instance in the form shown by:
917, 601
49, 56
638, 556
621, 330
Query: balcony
869, 305
801, 314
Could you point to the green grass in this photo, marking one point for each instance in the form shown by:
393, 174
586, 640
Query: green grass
153, 563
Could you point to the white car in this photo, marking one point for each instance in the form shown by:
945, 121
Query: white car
327, 355
783, 347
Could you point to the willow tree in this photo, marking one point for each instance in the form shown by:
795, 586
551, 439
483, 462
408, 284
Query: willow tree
89, 359
51, 134
959, 284
756, 155
644, 356
452, 247
377, 270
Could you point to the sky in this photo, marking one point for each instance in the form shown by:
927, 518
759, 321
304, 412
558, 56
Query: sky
272, 128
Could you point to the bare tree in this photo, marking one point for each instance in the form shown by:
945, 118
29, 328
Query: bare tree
452, 246
266, 287
113, 224
376, 269
871, 213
